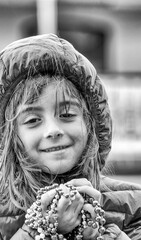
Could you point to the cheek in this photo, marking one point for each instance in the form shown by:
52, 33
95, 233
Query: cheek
80, 132
26, 142
28, 139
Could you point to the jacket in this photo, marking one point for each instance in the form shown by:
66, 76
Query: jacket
120, 200
40, 55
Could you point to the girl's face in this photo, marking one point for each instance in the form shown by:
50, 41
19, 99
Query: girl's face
52, 130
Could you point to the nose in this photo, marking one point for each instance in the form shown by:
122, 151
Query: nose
53, 130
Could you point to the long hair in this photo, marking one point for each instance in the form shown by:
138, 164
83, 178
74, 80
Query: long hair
21, 176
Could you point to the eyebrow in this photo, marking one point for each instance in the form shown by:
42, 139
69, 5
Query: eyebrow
69, 102
30, 109
39, 108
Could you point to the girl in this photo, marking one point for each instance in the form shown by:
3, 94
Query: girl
56, 134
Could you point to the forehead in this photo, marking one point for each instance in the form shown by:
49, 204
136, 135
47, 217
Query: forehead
42, 90
59, 94
46, 86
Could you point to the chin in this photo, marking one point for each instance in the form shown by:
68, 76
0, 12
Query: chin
61, 171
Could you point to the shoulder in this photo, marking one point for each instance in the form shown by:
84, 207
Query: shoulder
121, 196
109, 184
10, 221
122, 204
120, 192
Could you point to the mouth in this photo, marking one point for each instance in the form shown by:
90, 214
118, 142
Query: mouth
54, 149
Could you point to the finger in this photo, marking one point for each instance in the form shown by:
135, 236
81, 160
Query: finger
67, 197
77, 204
89, 208
79, 182
90, 233
85, 186
63, 204
46, 198
92, 192
68, 216
112, 231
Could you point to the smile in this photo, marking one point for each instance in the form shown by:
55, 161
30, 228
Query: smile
53, 149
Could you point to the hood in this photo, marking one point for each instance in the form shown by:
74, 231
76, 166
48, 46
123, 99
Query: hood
49, 54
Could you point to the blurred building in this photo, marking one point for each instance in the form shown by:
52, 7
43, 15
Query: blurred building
108, 32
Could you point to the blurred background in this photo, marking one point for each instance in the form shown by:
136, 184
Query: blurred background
108, 33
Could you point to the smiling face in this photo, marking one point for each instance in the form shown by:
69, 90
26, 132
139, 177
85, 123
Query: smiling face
52, 129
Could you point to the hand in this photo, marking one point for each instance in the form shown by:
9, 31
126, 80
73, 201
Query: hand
85, 187
68, 209
114, 233
64, 208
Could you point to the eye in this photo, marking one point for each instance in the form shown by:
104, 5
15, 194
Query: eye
67, 115
32, 121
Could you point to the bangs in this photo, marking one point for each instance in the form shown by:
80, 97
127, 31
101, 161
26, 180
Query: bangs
67, 91
28, 91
